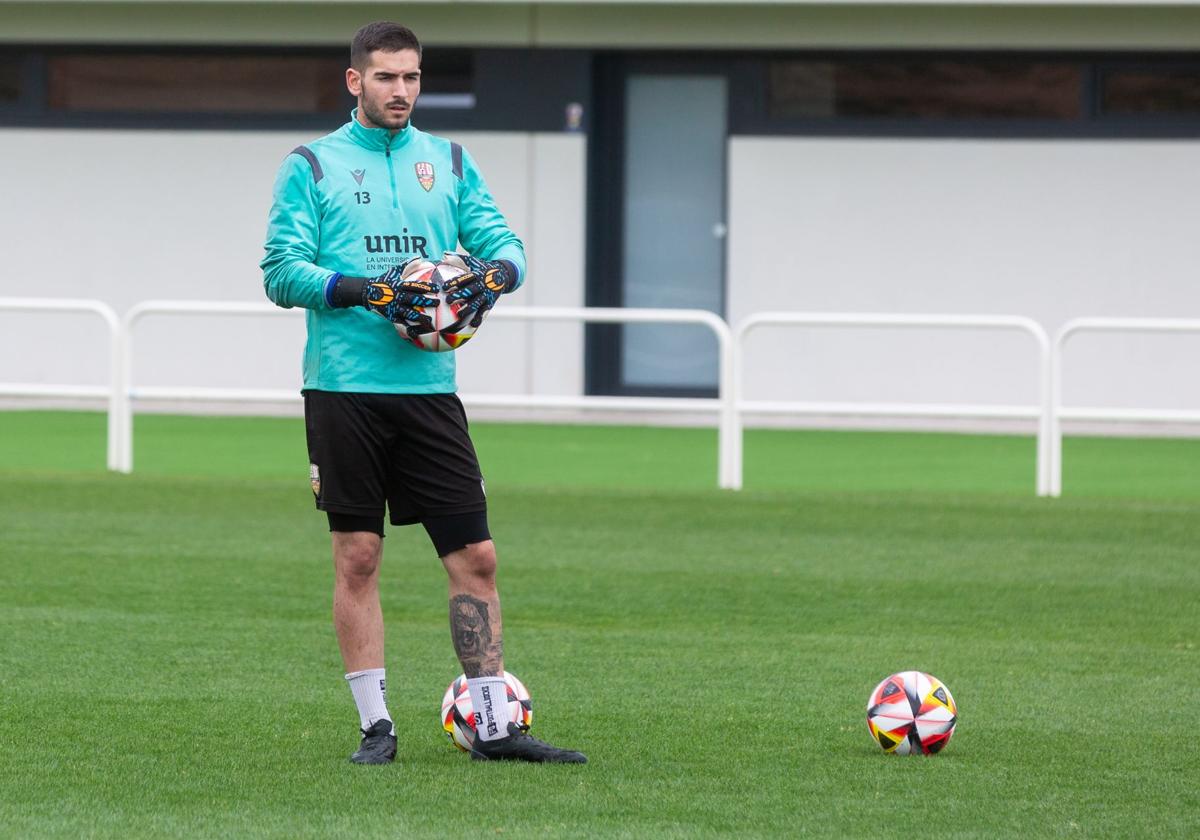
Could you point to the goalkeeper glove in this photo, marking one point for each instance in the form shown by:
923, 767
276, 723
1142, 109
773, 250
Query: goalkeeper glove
390, 295
474, 293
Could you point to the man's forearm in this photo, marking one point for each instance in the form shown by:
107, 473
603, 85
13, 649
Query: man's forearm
294, 282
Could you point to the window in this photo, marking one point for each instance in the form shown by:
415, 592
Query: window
10, 78
158, 83
926, 89
447, 79
1164, 90
270, 88
967, 94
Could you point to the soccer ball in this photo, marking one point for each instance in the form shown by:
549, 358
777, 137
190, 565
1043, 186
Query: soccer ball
459, 719
444, 316
911, 712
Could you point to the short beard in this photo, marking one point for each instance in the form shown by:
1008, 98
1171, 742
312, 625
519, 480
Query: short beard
379, 119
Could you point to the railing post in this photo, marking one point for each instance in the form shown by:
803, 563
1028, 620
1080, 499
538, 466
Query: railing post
1045, 429
116, 398
1055, 488
729, 439
124, 399
733, 433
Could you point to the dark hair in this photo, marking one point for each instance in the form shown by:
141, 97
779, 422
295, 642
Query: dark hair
381, 35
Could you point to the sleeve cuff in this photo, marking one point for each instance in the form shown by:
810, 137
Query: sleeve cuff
330, 285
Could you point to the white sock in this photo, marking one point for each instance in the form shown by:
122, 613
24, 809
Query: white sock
370, 695
489, 700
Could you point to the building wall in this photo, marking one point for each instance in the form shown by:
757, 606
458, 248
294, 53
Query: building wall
1028, 24
1050, 230
126, 216
1045, 229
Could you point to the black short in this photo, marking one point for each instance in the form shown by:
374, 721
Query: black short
411, 452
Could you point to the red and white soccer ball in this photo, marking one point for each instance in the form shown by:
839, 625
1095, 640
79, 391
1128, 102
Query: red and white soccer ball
458, 718
911, 713
440, 340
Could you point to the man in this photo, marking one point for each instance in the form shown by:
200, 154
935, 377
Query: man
383, 422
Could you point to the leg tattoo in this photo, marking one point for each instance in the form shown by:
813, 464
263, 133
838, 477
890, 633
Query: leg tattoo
479, 649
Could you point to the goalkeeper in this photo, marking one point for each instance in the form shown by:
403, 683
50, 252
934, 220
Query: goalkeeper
383, 423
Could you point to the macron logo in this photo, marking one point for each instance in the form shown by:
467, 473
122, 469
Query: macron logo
358, 175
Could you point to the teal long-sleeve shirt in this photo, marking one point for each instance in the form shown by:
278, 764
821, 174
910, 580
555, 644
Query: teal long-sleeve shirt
358, 201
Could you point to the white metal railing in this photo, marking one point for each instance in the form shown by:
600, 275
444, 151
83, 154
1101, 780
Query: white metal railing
1057, 412
729, 404
129, 392
938, 321
106, 313
722, 404
729, 471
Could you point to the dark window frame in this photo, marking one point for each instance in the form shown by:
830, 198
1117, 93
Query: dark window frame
926, 87
1184, 61
749, 98
16, 61
177, 63
32, 86
36, 112
527, 89
506, 86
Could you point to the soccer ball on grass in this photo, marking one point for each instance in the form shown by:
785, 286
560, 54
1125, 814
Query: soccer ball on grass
911, 713
459, 719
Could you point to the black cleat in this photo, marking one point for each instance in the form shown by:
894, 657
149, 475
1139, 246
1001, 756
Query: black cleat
519, 746
378, 744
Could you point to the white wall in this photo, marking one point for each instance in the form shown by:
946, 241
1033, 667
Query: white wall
124, 216
1046, 229
539, 181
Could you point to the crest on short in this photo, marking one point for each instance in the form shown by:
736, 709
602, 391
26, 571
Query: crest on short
314, 478
425, 174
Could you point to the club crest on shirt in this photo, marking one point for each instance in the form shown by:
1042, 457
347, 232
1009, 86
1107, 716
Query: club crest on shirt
314, 478
424, 175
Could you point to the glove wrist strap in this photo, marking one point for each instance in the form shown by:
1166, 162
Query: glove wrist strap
341, 292
510, 275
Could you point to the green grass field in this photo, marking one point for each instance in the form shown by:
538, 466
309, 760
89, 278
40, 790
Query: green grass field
168, 666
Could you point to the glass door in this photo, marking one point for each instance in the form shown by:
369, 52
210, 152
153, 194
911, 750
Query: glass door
664, 192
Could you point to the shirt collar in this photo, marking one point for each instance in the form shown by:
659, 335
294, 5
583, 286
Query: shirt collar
377, 138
